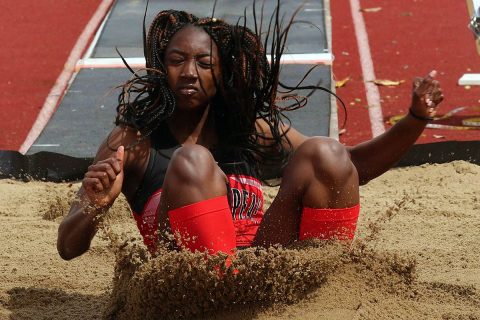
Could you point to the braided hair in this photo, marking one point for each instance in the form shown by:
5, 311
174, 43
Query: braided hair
247, 91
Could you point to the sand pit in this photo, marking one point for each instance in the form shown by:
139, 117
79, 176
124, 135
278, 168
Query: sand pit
415, 257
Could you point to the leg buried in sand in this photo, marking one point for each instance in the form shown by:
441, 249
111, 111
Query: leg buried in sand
318, 197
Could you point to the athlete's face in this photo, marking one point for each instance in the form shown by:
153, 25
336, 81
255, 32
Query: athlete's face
193, 65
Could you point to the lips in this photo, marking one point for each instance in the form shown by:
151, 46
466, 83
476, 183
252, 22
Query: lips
188, 90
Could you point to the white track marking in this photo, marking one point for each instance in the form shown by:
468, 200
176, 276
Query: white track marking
137, 63
94, 42
373, 95
469, 79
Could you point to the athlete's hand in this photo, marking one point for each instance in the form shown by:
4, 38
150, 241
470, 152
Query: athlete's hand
103, 180
426, 96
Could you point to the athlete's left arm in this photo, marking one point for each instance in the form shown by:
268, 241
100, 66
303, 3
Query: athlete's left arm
374, 157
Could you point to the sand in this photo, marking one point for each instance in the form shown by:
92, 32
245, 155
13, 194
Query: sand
415, 256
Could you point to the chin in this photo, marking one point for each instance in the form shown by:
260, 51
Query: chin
189, 105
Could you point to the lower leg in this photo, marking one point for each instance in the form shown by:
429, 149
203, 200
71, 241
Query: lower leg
320, 175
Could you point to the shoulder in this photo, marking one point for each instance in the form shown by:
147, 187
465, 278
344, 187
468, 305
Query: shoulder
124, 135
136, 146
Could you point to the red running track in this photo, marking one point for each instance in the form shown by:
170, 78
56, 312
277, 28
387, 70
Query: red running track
37, 38
407, 38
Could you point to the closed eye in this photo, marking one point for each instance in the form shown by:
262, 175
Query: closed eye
175, 61
175, 58
206, 65
205, 60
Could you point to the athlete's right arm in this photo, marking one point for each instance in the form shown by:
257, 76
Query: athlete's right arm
100, 187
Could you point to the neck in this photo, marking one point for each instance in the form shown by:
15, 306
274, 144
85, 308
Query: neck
192, 128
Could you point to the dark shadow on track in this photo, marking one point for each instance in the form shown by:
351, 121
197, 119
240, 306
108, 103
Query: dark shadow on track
55, 167
47, 166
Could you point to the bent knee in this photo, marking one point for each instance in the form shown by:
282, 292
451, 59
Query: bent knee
328, 158
192, 162
323, 150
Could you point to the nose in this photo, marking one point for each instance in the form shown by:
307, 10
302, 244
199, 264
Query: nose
189, 70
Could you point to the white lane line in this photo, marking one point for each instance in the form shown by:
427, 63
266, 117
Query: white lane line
46, 145
333, 125
98, 33
63, 79
373, 95
137, 63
